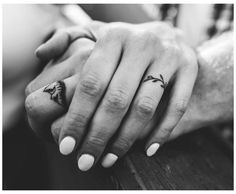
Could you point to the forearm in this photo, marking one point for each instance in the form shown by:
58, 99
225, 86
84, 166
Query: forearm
212, 98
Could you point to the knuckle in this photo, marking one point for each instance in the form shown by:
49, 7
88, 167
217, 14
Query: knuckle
149, 37
145, 107
30, 106
122, 145
163, 135
166, 131
145, 39
172, 50
109, 35
76, 120
117, 32
91, 85
180, 107
96, 141
172, 47
117, 100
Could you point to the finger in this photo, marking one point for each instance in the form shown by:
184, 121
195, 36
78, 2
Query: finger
91, 86
56, 129
160, 111
52, 74
113, 107
141, 112
97, 29
76, 56
49, 102
179, 99
60, 41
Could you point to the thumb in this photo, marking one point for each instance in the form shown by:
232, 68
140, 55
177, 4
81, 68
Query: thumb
60, 41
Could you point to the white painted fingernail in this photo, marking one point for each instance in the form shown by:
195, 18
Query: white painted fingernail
109, 160
152, 149
85, 162
67, 145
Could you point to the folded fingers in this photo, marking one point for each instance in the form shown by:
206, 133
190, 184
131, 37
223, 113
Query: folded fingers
49, 102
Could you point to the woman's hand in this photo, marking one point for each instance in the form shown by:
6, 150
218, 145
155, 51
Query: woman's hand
41, 110
119, 88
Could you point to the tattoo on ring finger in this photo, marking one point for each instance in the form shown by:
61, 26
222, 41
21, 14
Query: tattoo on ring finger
154, 79
57, 92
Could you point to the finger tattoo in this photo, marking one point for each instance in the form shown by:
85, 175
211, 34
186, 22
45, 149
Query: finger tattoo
153, 79
57, 91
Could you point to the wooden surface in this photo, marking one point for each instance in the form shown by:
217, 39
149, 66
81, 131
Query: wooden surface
198, 161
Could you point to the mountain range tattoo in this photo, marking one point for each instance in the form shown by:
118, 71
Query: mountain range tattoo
150, 77
57, 92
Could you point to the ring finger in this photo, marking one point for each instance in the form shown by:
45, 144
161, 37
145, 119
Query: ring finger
113, 107
48, 103
140, 113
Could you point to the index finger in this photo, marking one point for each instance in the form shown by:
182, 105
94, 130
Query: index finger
92, 84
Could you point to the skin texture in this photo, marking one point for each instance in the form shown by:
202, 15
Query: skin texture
66, 68
201, 103
208, 105
211, 101
212, 98
107, 97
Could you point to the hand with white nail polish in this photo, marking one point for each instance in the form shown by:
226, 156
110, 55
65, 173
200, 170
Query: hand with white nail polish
106, 86
114, 96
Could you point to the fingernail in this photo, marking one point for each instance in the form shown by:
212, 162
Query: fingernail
152, 149
109, 160
85, 162
67, 145
36, 52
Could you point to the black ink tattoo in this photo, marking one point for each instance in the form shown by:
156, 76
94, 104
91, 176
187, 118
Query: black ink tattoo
163, 85
57, 91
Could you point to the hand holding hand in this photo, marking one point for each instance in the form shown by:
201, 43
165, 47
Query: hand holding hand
119, 88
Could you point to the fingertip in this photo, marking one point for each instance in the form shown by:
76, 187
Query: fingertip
38, 51
85, 162
67, 145
109, 160
152, 149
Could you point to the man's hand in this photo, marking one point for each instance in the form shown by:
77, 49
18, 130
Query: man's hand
41, 110
119, 88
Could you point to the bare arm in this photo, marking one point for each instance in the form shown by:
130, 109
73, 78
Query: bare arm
212, 98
